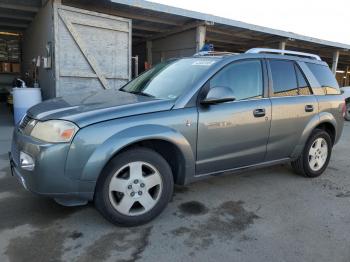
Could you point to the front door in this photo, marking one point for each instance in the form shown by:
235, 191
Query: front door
234, 134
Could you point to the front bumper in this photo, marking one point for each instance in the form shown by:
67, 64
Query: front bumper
48, 177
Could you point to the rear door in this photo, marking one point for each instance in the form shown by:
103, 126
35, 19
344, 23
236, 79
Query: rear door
293, 106
234, 134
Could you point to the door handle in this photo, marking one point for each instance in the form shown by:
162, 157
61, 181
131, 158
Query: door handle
259, 112
309, 108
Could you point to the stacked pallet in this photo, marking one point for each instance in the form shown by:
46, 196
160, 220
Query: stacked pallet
3, 50
10, 54
13, 50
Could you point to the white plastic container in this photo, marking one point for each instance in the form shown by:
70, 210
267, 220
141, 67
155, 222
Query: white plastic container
23, 99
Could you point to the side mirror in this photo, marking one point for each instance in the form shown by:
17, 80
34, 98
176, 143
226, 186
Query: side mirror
218, 94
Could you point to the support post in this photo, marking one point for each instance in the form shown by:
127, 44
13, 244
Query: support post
200, 37
335, 62
136, 69
149, 52
347, 76
282, 45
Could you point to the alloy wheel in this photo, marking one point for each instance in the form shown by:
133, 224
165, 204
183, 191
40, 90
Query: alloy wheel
318, 154
135, 188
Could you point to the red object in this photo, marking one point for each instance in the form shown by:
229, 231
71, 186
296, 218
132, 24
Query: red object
344, 108
147, 65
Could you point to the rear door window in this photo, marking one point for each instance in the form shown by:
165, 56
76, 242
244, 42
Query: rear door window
284, 79
303, 86
325, 77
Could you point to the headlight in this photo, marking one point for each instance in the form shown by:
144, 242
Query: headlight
54, 131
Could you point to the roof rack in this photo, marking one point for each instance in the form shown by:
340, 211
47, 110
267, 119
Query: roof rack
213, 53
283, 52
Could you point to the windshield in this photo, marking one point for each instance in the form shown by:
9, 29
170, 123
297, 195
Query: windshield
168, 80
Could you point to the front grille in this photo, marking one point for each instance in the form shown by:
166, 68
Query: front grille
24, 122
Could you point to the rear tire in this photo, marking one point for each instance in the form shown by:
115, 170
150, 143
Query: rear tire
316, 155
134, 188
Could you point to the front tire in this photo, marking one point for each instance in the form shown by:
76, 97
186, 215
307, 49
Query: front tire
134, 188
316, 155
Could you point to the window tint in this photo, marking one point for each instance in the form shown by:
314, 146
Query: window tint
244, 78
325, 77
283, 78
304, 88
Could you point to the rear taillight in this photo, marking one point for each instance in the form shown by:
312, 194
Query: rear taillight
344, 109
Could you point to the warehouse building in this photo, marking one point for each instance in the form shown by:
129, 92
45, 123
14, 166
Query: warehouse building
73, 46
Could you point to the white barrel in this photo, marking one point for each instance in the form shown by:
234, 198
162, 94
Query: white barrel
23, 99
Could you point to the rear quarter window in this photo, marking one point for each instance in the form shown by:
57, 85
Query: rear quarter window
325, 77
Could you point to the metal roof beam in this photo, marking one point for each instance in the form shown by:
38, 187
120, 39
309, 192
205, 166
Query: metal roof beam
16, 17
110, 8
147, 28
151, 19
137, 34
232, 33
179, 29
19, 7
236, 41
9, 24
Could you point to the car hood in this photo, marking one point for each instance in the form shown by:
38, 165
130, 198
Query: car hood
94, 107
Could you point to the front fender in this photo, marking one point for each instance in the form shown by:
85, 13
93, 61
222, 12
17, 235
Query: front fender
323, 117
109, 148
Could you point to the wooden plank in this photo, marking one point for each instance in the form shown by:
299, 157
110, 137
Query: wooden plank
91, 13
97, 24
90, 58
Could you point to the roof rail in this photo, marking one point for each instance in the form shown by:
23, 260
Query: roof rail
283, 52
213, 53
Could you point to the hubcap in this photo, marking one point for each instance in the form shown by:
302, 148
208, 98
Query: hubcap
135, 188
318, 154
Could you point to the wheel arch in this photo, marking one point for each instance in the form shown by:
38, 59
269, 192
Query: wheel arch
166, 141
324, 121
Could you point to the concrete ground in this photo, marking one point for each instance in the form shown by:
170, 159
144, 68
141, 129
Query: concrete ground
265, 215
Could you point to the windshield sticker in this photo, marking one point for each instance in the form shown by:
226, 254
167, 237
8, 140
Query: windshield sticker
204, 63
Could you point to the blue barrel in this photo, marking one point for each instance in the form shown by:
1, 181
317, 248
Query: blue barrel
23, 99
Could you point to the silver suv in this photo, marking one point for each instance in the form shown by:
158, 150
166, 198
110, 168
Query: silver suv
181, 121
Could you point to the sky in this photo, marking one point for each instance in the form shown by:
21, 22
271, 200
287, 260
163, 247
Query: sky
324, 19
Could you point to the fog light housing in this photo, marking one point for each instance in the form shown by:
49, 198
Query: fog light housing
26, 161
